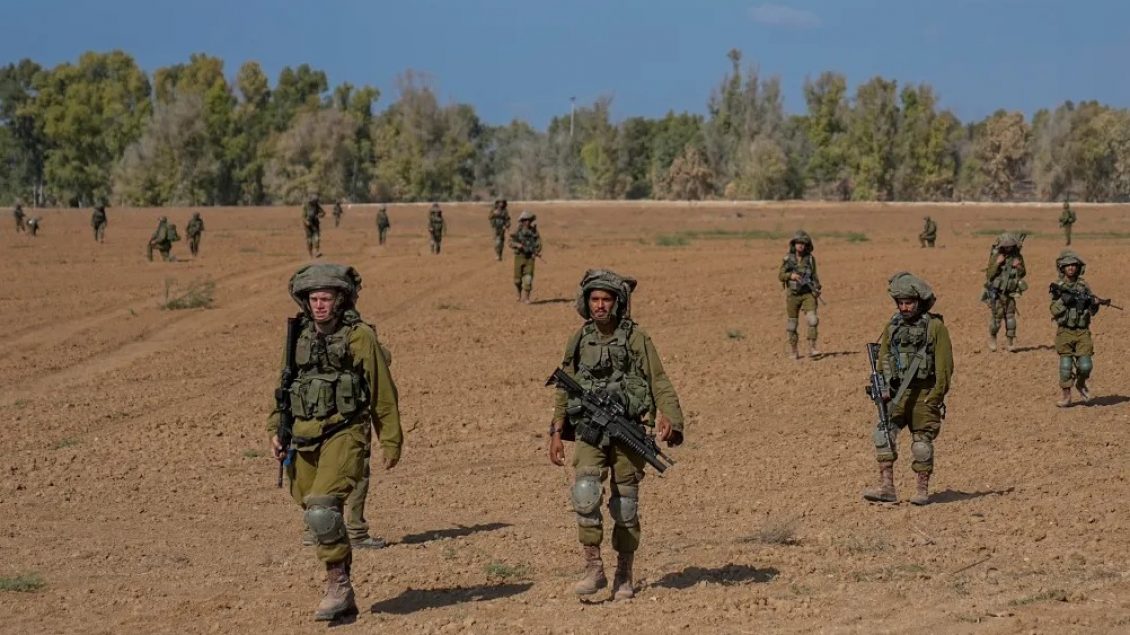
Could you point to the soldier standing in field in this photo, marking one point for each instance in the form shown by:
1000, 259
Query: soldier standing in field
1072, 307
802, 290
338, 211
18, 214
194, 229
312, 215
500, 223
612, 353
382, 224
33, 225
526, 243
437, 227
98, 221
1004, 284
916, 361
929, 232
162, 240
1066, 220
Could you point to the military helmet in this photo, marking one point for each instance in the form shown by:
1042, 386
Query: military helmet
801, 236
606, 280
435, 206
1068, 257
1008, 240
324, 275
527, 215
502, 203
905, 285
1066, 203
382, 208
925, 218
196, 214
162, 220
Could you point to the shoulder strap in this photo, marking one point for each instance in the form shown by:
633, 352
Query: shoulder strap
908, 376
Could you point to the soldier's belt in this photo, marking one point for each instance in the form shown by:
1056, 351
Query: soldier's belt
329, 432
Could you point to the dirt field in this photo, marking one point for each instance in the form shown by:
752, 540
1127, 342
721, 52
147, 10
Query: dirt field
136, 480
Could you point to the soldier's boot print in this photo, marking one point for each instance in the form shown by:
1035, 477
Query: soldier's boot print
622, 580
1010, 346
1065, 399
885, 493
594, 579
339, 600
922, 491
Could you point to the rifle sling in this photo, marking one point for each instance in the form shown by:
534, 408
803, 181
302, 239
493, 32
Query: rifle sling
909, 376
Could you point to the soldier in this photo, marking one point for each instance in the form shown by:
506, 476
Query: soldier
1004, 283
33, 225
312, 215
342, 387
916, 360
1066, 220
162, 239
194, 229
437, 227
499, 222
1073, 305
610, 352
99, 221
929, 232
338, 211
526, 243
382, 224
18, 214
802, 285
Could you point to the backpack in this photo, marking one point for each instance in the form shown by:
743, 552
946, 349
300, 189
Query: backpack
171, 233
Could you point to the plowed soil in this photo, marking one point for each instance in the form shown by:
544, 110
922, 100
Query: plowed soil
137, 485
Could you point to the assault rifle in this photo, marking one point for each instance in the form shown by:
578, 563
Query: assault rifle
1079, 298
806, 282
282, 396
606, 415
879, 392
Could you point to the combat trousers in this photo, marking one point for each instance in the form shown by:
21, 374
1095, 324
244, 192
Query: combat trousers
355, 524
194, 244
165, 251
313, 241
331, 470
1067, 233
1075, 348
794, 305
624, 471
1003, 309
499, 243
99, 232
524, 271
382, 234
437, 244
925, 423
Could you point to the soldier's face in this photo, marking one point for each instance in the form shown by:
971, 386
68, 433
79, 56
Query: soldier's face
907, 307
800, 248
1071, 270
322, 305
601, 304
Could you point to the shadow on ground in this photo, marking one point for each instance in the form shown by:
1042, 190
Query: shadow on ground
552, 301
413, 600
727, 575
455, 532
1105, 400
836, 354
956, 496
1029, 349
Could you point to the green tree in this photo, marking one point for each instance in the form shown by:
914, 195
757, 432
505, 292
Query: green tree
826, 125
871, 133
22, 145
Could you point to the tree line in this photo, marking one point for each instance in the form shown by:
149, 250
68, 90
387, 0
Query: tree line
101, 130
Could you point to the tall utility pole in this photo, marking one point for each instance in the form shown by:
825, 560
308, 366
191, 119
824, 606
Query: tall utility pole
572, 115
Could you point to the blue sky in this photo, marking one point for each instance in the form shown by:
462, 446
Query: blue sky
525, 59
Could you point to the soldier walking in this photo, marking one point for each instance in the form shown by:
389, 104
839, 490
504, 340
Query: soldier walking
194, 229
18, 215
929, 232
337, 212
526, 243
1004, 284
499, 223
162, 240
98, 222
1072, 307
382, 224
437, 227
312, 215
802, 289
1066, 220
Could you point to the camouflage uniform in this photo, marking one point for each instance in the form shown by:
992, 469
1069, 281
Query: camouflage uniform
499, 222
526, 243
1066, 220
194, 229
929, 232
437, 227
626, 364
382, 224
800, 295
312, 215
343, 387
1072, 315
33, 225
1004, 283
916, 361
338, 211
162, 239
18, 214
98, 222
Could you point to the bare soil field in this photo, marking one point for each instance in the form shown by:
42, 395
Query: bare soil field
137, 483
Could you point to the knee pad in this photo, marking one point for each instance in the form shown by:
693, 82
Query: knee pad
527, 281
812, 318
587, 493
1010, 323
791, 324
1084, 366
922, 450
323, 517
624, 505
1066, 365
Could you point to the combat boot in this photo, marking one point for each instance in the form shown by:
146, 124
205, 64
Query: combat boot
368, 542
885, 493
1011, 345
922, 494
594, 578
1084, 392
1066, 401
525, 296
518, 287
339, 600
813, 351
993, 343
793, 354
622, 580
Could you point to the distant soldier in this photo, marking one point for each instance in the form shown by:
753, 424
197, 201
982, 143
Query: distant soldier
312, 215
437, 227
338, 211
1073, 305
802, 290
500, 223
526, 243
162, 239
33, 225
1066, 220
382, 224
99, 221
18, 214
194, 229
1004, 283
929, 232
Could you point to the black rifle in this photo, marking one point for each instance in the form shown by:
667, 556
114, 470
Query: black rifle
606, 415
878, 391
806, 282
282, 396
1079, 298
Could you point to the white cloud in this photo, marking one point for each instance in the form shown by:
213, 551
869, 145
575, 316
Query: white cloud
780, 15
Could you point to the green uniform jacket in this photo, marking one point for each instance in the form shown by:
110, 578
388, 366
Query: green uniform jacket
1067, 217
1074, 317
1010, 280
639, 346
937, 336
931, 230
195, 227
382, 219
160, 236
807, 263
97, 218
369, 362
526, 241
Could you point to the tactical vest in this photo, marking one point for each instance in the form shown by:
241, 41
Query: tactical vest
609, 365
527, 240
435, 224
325, 384
1075, 317
1008, 278
498, 222
803, 266
907, 342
